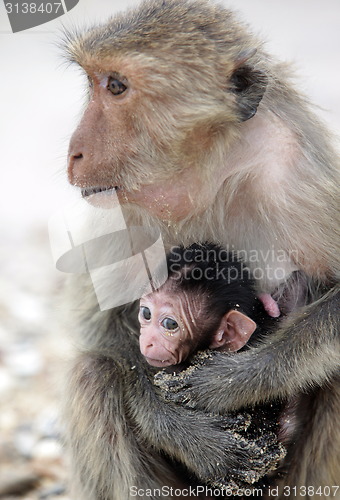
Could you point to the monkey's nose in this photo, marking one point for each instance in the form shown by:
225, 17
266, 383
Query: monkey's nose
143, 344
74, 164
146, 347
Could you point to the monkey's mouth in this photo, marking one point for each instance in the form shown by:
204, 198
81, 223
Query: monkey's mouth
85, 192
159, 363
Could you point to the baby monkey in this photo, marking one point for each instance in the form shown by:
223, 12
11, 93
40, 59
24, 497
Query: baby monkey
208, 301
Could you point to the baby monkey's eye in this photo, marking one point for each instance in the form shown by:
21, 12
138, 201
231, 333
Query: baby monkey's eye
116, 86
145, 312
169, 324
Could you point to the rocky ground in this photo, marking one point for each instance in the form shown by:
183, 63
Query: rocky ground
33, 351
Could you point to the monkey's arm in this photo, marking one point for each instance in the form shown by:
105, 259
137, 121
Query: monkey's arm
303, 352
231, 457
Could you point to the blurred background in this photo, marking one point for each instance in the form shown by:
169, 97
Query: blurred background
40, 105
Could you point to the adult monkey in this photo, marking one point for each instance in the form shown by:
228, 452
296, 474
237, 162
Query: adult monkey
202, 134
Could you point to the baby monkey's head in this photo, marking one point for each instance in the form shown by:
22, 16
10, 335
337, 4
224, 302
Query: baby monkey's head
208, 300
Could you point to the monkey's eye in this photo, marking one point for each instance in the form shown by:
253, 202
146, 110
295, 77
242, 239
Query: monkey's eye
169, 324
116, 86
145, 313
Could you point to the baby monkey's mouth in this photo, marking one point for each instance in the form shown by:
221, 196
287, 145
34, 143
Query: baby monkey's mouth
159, 363
88, 191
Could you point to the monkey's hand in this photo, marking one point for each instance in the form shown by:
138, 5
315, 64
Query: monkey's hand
239, 459
255, 452
238, 479
178, 387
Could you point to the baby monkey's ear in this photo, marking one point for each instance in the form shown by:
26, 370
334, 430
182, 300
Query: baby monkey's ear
233, 332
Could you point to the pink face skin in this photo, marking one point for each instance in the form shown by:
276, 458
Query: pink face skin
168, 331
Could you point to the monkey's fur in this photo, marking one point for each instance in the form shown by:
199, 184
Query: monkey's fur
211, 142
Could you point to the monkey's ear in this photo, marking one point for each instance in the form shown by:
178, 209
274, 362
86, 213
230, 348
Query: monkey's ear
234, 331
248, 85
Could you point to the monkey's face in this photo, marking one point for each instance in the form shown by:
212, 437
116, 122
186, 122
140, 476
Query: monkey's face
147, 135
168, 93
169, 333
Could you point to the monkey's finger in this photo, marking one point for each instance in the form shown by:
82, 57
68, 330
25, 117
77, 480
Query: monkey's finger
201, 358
263, 455
272, 451
170, 383
237, 422
184, 397
179, 381
262, 460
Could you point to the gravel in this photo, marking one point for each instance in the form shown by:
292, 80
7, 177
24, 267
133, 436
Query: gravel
33, 352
